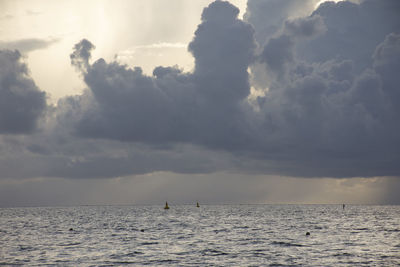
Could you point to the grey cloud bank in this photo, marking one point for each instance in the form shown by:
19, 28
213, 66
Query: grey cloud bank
331, 108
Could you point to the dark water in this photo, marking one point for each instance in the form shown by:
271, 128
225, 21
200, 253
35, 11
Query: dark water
240, 235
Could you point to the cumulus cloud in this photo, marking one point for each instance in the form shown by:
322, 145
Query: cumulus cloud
172, 106
334, 114
21, 102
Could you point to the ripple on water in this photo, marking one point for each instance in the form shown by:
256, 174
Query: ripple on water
286, 244
148, 243
26, 248
213, 252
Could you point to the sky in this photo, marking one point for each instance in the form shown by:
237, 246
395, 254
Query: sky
257, 101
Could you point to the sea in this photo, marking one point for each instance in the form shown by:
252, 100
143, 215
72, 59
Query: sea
209, 235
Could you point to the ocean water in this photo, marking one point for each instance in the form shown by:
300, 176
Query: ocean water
224, 235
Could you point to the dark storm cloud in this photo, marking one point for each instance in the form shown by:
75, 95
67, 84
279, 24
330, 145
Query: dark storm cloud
353, 31
27, 45
21, 102
335, 116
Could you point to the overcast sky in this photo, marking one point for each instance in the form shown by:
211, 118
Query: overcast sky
258, 101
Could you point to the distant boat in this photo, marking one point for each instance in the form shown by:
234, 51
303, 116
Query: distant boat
166, 206
197, 205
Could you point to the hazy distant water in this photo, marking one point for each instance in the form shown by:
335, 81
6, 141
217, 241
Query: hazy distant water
225, 235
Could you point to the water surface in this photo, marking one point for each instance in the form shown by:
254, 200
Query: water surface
224, 235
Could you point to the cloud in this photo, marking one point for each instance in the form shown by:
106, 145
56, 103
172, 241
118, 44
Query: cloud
21, 102
81, 55
308, 27
27, 45
333, 115
55, 153
319, 118
279, 51
171, 121
323, 115
267, 17
171, 106
353, 31
386, 63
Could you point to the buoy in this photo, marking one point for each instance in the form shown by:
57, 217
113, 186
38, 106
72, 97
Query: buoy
344, 206
71, 229
141, 230
197, 205
166, 206
308, 233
